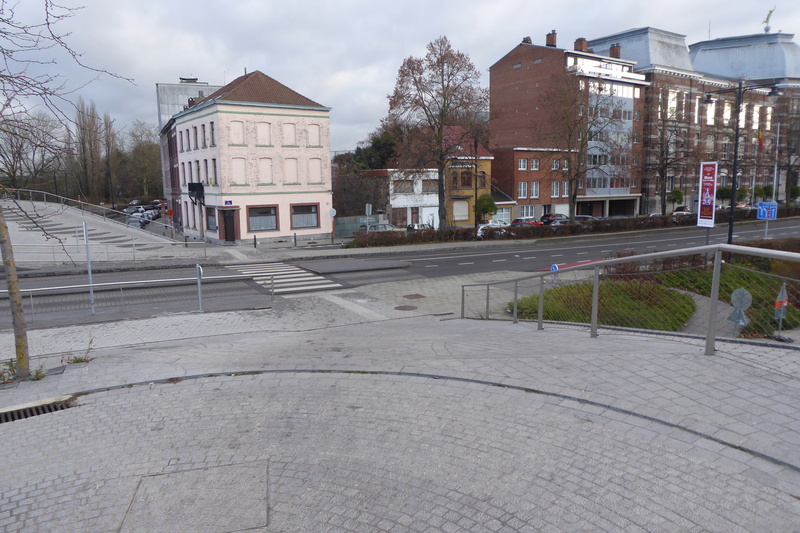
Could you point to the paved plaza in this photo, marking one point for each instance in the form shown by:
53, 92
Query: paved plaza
378, 409
338, 412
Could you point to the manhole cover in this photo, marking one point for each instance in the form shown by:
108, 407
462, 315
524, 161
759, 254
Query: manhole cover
413, 296
406, 308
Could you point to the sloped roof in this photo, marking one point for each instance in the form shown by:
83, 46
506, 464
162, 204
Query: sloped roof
764, 56
649, 47
258, 88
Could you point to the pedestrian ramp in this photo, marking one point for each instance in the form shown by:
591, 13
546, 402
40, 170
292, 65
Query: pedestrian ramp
287, 279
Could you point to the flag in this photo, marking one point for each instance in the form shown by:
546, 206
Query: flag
760, 140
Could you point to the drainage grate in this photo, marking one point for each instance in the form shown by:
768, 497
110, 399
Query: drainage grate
34, 410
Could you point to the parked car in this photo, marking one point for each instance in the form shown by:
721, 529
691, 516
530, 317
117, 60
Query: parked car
497, 228
379, 227
555, 224
141, 218
417, 227
526, 221
550, 217
585, 219
153, 211
131, 209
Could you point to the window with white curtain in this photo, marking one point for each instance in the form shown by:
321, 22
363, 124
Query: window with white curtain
305, 216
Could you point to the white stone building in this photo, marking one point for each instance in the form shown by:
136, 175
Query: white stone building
252, 160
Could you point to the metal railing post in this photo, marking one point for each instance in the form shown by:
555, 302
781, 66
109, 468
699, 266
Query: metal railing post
595, 301
199, 287
89, 266
516, 287
463, 296
540, 314
711, 334
488, 291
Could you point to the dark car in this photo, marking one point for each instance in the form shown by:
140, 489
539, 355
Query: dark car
550, 217
525, 221
411, 228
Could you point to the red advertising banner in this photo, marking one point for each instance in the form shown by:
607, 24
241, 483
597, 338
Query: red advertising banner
708, 194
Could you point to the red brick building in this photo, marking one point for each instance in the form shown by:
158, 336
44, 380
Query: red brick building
537, 161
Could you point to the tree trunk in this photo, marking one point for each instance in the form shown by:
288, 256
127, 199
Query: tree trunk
22, 369
442, 200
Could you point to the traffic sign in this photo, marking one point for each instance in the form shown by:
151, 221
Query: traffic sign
781, 303
767, 211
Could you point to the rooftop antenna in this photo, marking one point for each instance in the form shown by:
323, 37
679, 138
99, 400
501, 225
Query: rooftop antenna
766, 20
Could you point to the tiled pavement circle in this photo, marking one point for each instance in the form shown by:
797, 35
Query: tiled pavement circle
371, 452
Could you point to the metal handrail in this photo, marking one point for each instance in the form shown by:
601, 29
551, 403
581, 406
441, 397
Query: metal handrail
710, 249
715, 250
119, 284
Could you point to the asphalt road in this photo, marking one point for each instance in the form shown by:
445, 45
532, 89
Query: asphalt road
520, 256
177, 290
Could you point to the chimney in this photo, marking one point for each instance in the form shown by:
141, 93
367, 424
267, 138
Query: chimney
614, 51
581, 45
527, 40
551, 39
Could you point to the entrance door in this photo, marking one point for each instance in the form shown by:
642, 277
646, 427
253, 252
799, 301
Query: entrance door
230, 225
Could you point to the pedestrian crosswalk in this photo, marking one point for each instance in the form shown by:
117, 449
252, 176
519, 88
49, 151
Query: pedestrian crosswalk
286, 278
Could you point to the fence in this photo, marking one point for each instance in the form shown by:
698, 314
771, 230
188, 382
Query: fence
74, 250
722, 291
106, 213
122, 294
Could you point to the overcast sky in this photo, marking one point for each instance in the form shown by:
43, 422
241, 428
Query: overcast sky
345, 54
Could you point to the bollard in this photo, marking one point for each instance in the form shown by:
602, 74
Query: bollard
295, 239
254, 242
199, 270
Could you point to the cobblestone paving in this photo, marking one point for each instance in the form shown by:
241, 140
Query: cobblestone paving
341, 412
356, 452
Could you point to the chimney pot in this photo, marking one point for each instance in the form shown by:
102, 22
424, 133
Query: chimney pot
551, 39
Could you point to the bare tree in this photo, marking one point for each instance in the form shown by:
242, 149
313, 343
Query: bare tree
789, 113
436, 100
28, 79
667, 147
144, 162
29, 150
582, 118
85, 146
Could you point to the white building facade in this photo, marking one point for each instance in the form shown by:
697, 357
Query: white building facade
414, 196
252, 161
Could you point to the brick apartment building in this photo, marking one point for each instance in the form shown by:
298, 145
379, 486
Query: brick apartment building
681, 129
534, 162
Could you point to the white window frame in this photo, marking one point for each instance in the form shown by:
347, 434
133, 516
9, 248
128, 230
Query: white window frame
534, 189
555, 164
555, 189
522, 189
522, 164
565, 194
534, 164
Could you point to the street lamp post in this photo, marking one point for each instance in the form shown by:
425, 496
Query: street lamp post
740, 89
